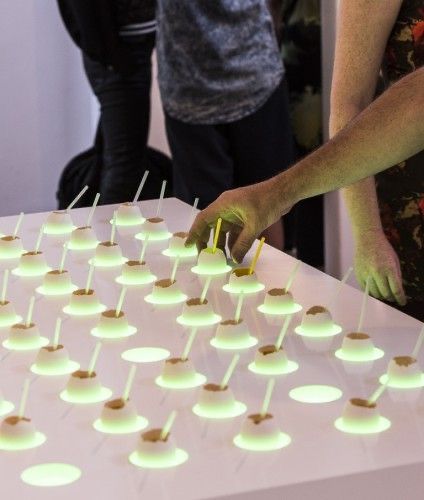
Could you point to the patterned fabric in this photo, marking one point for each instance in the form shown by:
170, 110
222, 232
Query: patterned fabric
401, 188
218, 60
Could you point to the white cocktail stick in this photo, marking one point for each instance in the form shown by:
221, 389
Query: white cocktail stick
39, 238
364, 305
141, 186
78, 196
174, 269
292, 275
205, 289
89, 278
30, 311
4, 287
160, 201
193, 211
113, 230
62, 260
267, 398
120, 301
94, 357
24, 398
144, 248
92, 209
230, 371
168, 425
346, 276
419, 344
57, 332
377, 393
238, 308
189, 344
129, 383
18, 224
283, 332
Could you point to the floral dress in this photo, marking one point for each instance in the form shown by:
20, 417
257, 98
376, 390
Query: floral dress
400, 189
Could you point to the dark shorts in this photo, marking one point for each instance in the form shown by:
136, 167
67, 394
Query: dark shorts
210, 159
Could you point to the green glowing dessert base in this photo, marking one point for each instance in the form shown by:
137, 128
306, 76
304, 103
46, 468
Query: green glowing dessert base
136, 282
289, 367
84, 399
6, 407
235, 410
129, 223
280, 310
362, 427
119, 333
261, 444
10, 444
9, 321
50, 475
66, 290
84, 310
65, 369
25, 346
159, 236
208, 320
121, 427
74, 245
107, 263
233, 345
4, 255
359, 357
195, 381
210, 270
401, 383
315, 394
182, 253
145, 355
31, 273
246, 288
53, 230
334, 330
150, 462
176, 299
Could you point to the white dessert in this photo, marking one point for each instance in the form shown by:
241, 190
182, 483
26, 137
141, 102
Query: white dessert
317, 320
214, 398
52, 357
232, 332
33, 263
11, 247
260, 428
112, 325
196, 310
243, 281
128, 214
57, 282
358, 343
83, 238
108, 254
212, 262
360, 411
278, 298
83, 383
84, 302
23, 335
405, 369
59, 221
155, 226
269, 357
178, 370
7, 313
152, 445
134, 271
18, 429
119, 411
166, 291
177, 246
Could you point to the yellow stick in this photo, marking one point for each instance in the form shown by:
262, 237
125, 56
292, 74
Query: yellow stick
256, 257
217, 231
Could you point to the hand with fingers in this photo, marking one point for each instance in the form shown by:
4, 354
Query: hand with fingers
374, 256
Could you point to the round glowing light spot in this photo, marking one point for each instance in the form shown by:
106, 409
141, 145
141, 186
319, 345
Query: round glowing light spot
232, 345
158, 462
107, 262
177, 298
83, 399
210, 270
145, 355
136, 282
207, 320
84, 310
50, 475
10, 444
359, 357
25, 346
289, 367
381, 425
121, 427
31, 273
182, 253
188, 383
402, 383
280, 310
156, 236
246, 288
315, 394
6, 407
234, 410
334, 330
258, 444
129, 222
56, 371
119, 333
9, 320
66, 290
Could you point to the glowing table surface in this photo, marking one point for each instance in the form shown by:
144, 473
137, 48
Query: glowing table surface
321, 462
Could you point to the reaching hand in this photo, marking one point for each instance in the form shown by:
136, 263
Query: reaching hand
376, 258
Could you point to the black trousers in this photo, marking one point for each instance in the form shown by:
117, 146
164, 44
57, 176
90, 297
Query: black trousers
209, 159
124, 117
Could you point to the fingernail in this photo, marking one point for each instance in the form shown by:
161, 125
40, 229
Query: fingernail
234, 260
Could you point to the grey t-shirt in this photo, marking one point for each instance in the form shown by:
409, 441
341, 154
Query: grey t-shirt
218, 59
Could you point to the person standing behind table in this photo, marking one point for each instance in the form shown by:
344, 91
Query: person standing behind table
225, 97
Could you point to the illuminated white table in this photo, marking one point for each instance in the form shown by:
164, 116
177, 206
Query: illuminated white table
321, 462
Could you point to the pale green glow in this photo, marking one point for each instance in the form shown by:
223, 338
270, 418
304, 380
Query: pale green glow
31, 273
50, 475
10, 444
218, 413
402, 383
9, 320
56, 371
359, 357
83, 245
145, 355
118, 333
174, 299
152, 462
233, 345
26, 346
188, 383
6, 407
129, 222
182, 253
9, 255
273, 369
84, 310
334, 330
51, 291
211, 270
145, 280
207, 320
315, 394
82, 399
261, 443
107, 262
282, 309
121, 427
159, 236
246, 288
382, 424
51, 229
